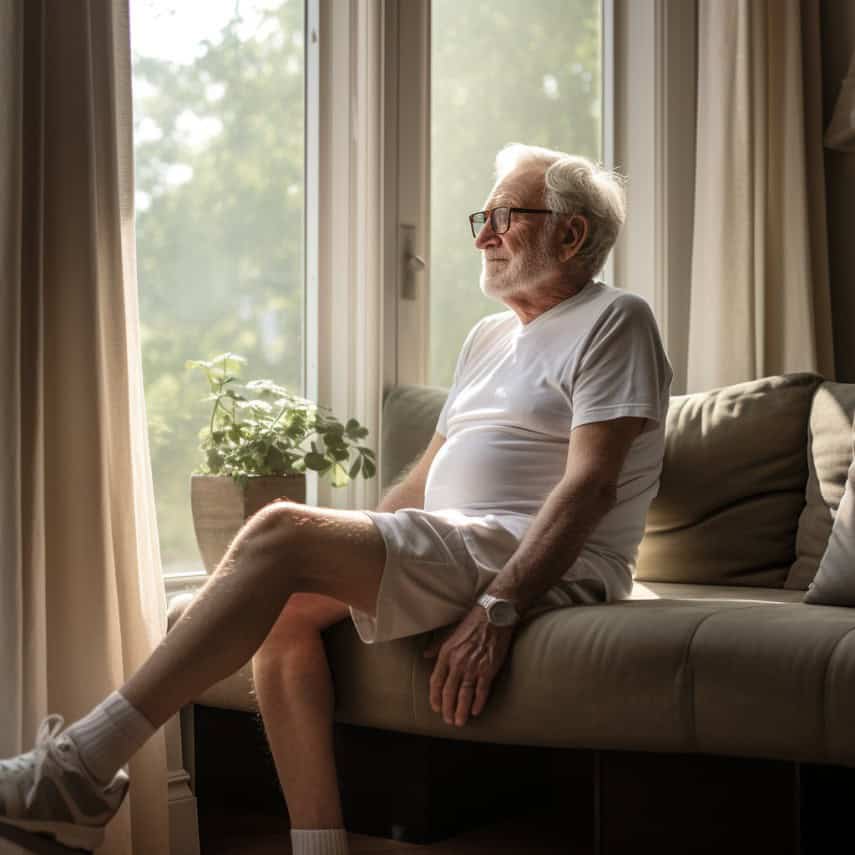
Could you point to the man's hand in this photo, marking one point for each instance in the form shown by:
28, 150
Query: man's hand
473, 652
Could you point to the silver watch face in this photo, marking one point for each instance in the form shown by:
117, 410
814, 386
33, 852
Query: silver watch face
503, 614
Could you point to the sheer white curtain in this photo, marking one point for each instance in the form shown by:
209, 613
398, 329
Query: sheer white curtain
760, 300
81, 598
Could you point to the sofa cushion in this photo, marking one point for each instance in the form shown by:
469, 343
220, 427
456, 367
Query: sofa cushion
680, 668
410, 414
834, 583
733, 482
829, 451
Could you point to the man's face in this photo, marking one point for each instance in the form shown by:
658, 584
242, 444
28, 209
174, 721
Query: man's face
518, 260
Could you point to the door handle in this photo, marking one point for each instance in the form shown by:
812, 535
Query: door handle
412, 263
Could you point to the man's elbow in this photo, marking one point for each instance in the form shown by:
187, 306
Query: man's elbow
590, 487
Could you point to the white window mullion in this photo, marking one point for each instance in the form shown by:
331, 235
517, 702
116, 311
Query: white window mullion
413, 128
607, 108
654, 145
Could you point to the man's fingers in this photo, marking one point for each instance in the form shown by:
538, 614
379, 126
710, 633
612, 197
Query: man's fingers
481, 694
464, 702
437, 681
450, 693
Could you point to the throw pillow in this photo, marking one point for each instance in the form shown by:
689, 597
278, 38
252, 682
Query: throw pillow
834, 583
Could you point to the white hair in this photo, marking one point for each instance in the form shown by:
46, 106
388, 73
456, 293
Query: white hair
576, 185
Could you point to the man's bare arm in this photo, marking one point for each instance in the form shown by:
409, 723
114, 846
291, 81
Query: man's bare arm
570, 513
409, 492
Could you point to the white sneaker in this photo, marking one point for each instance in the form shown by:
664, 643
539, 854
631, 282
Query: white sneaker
49, 791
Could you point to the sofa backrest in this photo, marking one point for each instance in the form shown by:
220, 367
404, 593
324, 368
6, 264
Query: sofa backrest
409, 419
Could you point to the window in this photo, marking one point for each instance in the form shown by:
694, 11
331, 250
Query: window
501, 71
219, 160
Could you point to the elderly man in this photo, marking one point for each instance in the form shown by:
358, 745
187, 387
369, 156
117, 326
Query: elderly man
532, 493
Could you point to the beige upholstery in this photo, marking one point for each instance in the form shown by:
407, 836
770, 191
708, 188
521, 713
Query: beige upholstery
679, 668
736, 669
829, 451
733, 484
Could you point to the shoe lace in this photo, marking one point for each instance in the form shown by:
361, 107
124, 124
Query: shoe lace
46, 743
47, 731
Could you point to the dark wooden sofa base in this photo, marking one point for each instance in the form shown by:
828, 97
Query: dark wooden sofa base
423, 789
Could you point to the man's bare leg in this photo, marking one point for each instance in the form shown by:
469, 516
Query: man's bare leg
283, 549
295, 694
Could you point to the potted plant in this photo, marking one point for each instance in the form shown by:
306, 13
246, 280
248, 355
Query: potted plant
258, 444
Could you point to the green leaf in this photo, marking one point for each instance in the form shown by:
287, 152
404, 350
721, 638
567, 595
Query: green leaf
368, 468
270, 387
338, 476
274, 459
354, 470
339, 453
227, 357
215, 460
316, 461
294, 430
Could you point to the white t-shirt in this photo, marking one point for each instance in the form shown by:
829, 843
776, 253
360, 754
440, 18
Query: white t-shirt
518, 392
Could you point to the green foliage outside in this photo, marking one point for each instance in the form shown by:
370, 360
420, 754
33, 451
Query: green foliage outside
219, 177
219, 256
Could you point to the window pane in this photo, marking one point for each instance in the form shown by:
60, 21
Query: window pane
218, 141
501, 71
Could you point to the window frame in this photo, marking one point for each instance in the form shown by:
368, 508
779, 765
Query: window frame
648, 133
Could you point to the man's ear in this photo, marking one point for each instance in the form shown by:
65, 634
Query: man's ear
575, 234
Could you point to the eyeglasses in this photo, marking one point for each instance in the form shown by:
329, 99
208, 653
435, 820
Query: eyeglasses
500, 218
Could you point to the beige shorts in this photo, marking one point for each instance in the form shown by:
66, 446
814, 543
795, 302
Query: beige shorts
438, 563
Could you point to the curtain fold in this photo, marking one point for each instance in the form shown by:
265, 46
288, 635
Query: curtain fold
760, 298
840, 134
82, 602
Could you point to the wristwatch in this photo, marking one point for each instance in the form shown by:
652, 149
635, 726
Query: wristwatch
499, 612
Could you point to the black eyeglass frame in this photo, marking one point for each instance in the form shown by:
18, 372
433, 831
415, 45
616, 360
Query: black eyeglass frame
490, 215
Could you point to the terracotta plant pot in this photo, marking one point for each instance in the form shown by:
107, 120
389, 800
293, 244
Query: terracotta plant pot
220, 507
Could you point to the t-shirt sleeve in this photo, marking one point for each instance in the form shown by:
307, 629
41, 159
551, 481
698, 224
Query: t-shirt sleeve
442, 421
623, 369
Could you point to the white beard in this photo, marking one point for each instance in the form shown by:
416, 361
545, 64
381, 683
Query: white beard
519, 275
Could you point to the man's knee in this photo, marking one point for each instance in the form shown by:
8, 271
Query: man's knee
275, 528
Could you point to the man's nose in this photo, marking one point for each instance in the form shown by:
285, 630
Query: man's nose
486, 237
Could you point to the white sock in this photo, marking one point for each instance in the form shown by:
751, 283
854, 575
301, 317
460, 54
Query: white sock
323, 841
109, 736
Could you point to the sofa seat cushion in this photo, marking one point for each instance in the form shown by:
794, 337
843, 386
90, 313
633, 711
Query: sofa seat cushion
743, 671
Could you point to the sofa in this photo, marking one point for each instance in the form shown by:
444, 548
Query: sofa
713, 708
